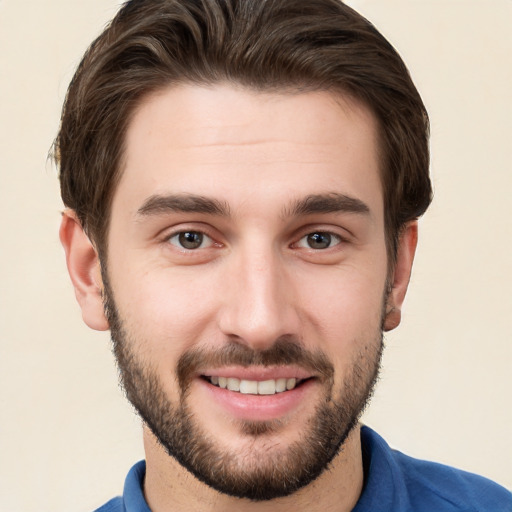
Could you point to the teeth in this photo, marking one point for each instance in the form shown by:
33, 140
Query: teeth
249, 387
254, 387
233, 384
280, 385
267, 387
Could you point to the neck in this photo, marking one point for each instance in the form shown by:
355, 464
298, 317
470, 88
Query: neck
169, 487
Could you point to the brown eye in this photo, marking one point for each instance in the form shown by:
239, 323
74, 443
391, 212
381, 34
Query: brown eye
189, 240
319, 240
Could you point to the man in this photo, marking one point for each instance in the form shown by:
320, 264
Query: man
243, 181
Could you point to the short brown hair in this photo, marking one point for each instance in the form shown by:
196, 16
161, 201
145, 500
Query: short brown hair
266, 45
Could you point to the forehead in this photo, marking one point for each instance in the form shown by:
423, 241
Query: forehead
228, 141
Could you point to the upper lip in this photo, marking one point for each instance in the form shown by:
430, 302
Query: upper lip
258, 373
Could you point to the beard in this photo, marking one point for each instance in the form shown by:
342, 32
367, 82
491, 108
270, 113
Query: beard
265, 469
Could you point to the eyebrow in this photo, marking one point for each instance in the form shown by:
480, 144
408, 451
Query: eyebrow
185, 203
326, 203
309, 205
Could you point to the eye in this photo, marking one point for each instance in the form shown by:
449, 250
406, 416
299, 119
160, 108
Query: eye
319, 240
190, 240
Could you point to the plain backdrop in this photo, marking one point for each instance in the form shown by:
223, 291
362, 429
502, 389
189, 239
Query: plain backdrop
68, 437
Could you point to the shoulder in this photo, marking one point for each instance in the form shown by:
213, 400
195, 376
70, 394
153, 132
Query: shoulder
132, 499
114, 505
434, 483
409, 484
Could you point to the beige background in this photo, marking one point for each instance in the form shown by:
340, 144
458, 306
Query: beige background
67, 437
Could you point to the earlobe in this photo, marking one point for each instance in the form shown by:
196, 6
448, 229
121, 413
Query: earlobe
401, 275
84, 269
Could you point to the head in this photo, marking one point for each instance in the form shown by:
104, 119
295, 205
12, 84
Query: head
271, 46
247, 175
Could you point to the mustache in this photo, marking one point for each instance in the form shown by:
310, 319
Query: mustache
285, 351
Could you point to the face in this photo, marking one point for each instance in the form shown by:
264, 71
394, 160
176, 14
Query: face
246, 279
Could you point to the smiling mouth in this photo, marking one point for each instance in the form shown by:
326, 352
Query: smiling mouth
255, 387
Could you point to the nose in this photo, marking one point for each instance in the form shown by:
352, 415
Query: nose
259, 302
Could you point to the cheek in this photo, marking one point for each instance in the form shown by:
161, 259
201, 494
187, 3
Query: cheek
345, 295
344, 307
165, 313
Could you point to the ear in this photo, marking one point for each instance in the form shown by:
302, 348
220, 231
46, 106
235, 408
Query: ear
401, 275
84, 269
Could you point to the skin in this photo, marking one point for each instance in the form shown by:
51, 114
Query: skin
255, 278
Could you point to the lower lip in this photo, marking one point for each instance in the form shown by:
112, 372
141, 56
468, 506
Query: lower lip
259, 407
